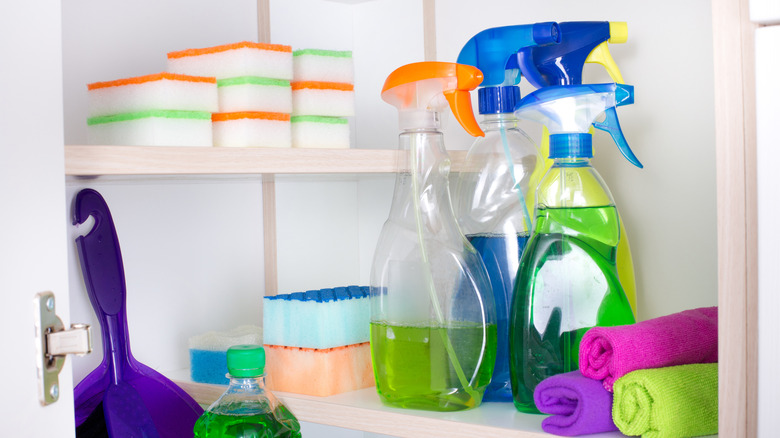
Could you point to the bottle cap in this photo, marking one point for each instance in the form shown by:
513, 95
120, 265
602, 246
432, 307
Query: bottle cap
246, 360
497, 100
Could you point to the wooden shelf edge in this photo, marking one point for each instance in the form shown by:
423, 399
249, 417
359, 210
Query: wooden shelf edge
95, 160
361, 410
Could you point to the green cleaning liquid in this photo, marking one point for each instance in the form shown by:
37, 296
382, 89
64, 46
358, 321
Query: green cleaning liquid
413, 368
567, 283
280, 424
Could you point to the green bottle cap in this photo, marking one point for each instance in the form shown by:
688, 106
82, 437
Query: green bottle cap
246, 360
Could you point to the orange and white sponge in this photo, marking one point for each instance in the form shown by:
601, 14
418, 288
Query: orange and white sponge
163, 109
319, 98
251, 129
235, 60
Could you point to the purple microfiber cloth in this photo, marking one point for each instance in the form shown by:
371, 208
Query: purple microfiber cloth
691, 336
579, 405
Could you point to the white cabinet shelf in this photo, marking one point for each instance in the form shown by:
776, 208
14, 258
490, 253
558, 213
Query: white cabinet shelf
362, 410
94, 160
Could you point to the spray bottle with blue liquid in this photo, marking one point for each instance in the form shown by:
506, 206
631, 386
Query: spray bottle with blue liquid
562, 64
493, 192
568, 280
433, 320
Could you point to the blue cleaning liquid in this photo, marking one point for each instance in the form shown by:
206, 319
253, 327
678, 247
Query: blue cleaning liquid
501, 255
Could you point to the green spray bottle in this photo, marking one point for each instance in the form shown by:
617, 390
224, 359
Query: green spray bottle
433, 318
582, 42
568, 282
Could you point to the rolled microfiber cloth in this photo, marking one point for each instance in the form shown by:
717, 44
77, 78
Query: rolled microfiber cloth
578, 405
678, 401
691, 336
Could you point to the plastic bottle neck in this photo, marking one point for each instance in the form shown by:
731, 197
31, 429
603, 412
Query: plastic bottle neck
423, 181
248, 384
419, 120
571, 162
498, 121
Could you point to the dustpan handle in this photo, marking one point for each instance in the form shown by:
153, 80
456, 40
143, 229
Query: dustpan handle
103, 271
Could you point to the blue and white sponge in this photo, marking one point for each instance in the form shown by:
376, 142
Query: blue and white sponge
319, 319
208, 352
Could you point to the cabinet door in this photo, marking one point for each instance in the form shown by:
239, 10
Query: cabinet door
33, 255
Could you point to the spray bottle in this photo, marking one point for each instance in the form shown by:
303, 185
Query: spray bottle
433, 320
492, 188
581, 42
568, 280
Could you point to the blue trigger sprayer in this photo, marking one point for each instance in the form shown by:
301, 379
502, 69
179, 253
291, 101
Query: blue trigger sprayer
581, 42
493, 193
568, 280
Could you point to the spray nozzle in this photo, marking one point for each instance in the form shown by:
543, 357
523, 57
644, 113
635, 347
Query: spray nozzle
493, 52
581, 42
568, 111
422, 90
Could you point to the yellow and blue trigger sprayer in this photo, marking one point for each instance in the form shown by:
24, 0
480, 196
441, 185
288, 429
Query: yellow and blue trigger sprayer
562, 64
493, 193
433, 319
568, 281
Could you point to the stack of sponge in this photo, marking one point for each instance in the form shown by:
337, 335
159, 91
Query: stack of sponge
255, 96
161, 109
317, 342
323, 96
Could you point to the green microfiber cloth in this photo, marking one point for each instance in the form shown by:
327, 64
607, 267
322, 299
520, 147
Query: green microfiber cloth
678, 401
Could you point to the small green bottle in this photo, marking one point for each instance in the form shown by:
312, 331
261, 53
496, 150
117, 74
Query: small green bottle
246, 409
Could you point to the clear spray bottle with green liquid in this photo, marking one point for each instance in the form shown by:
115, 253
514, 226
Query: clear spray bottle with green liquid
433, 320
581, 42
568, 281
493, 191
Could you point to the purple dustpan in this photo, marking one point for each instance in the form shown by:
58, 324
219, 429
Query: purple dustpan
137, 400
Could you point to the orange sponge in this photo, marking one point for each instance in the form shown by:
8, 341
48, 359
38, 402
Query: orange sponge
320, 372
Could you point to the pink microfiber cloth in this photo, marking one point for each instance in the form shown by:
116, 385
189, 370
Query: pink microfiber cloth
579, 405
691, 336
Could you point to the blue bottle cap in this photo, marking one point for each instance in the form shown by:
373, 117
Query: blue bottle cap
497, 100
571, 146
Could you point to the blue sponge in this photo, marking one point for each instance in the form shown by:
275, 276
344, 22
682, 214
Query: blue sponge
324, 318
208, 352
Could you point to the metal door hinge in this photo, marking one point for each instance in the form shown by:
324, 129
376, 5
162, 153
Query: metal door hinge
53, 343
